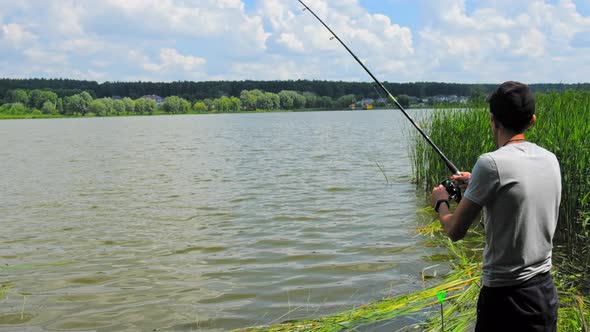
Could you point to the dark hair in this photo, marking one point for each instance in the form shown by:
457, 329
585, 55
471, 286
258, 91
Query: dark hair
513, 105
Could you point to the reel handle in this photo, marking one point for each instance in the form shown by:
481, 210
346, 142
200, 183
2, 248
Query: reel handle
453, 189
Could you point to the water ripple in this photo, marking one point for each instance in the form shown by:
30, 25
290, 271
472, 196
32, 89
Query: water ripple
208, 222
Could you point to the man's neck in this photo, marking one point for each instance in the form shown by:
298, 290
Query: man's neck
509, 138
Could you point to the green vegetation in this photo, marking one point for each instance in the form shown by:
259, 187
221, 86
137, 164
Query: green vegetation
4, 288
214, 89
20, 103
563, 127
34, 98
46, 104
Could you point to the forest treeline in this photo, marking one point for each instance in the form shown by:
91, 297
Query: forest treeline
61, 97
193, 91
19, 103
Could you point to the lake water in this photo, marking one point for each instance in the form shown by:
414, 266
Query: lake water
204, 222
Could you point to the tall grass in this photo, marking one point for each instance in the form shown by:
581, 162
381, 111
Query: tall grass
563, 127
461, 134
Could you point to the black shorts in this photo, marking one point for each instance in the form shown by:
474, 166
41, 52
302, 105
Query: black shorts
530, 306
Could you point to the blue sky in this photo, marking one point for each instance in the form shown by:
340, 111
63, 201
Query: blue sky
467, 41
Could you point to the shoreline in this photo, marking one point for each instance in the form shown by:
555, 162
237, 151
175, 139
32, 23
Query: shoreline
303, 110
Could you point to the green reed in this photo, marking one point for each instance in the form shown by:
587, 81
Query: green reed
563, 127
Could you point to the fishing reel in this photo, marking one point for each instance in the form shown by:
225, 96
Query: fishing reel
453, 189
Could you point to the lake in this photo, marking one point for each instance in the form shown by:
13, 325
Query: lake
204, 222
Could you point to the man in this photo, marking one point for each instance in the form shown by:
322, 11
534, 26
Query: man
519, 188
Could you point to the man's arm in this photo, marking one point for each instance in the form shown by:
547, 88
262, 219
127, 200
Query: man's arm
456, 224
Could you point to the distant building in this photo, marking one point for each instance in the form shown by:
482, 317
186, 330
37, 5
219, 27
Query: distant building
365, 102
155, 98
450, 99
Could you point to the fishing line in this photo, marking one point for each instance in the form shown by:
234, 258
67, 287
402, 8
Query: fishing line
449, 185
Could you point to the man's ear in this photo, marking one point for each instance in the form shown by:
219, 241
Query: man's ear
533, 120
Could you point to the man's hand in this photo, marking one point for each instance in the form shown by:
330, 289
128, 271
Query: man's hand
439, 193
462, 180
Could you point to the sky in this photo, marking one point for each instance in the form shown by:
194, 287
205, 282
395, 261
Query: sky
463, 41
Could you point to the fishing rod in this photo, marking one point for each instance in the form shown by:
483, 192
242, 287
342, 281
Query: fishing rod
451, 187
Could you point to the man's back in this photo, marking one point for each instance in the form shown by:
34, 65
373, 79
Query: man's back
519, 186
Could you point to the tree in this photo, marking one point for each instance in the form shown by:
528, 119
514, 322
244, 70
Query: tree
77, 104
18, 96
129, 105
37, 98
200, 107
235, 104
268, 101
312, 100
49, 108
249, 99
345, 101
60, 106
291, 100
477, 95
98, 107
85, 100
119, 107
16, 108
222, 104
109, 103
209, 103
286, 98
299, 100
403, 100
325, 102
72, 105
175, 105
145, 106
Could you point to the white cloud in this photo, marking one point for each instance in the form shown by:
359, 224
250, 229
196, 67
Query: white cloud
372, 37
170, 59
283, 71
501, 39
100, 63
67, 18
204, 18
83, 45
291, 42
531, 44
171, 65
16, 35
43, 57
457, 40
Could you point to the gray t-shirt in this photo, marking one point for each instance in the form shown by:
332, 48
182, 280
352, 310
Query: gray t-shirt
519, 188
